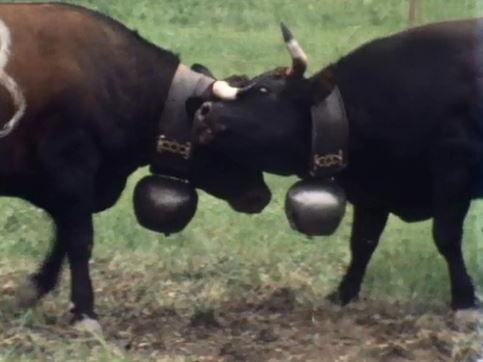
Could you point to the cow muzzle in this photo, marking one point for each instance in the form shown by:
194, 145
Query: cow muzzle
252, 202
315, 207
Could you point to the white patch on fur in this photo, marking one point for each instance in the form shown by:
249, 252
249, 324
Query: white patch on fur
296, 50
89, 325
27, 294
224, 91
5, 44
9, 83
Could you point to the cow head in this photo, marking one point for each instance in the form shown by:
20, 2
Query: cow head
283, 123
265, 123
242, 187
166, 201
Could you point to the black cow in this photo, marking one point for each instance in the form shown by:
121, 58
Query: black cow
81, 98
414, 107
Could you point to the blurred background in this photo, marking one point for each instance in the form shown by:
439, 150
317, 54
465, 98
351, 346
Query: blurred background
222, 253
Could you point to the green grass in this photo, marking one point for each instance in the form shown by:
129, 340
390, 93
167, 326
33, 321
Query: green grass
222, 253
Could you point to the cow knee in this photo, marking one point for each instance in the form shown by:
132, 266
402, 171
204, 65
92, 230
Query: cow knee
79, 252
447, 239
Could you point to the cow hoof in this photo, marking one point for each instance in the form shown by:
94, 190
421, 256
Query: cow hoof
27, 294
340, 299
468, 318
88, 325
334, 298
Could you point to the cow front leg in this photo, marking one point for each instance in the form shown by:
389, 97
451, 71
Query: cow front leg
451, 204
75, 232
367, 227
44, 280
70, 162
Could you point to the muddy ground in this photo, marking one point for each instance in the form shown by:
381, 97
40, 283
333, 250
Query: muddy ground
264, 325
274, 328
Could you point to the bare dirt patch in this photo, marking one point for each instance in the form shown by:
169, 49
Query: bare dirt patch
261, 324
272, 327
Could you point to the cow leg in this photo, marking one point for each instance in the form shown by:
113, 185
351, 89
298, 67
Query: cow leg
75, 232
44, 280
70, 162
74, 238
367, 228
451, 203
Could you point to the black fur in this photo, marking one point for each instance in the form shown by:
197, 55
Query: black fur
414, 102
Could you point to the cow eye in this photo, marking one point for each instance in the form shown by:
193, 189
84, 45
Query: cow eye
263, 90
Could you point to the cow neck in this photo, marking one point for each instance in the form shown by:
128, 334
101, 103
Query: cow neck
330, 136
174, 147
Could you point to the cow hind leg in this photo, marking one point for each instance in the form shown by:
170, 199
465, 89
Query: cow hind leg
367, 228
452, 199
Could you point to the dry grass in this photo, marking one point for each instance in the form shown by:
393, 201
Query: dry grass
150, 313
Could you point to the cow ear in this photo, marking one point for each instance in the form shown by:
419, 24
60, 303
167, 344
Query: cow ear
322, 85
199, 68
192, 104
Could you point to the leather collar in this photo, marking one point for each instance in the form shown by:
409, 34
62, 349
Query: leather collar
174, 146
330, 136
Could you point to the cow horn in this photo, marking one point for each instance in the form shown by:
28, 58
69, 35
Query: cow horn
224, 91
245, 89
299, 58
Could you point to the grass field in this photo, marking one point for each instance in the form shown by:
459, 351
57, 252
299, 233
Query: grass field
149, 287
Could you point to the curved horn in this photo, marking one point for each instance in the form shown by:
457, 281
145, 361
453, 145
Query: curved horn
224, 91
245, 89
299, 58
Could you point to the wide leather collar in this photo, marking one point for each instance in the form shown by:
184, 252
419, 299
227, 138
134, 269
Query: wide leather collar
174, 148
330, 136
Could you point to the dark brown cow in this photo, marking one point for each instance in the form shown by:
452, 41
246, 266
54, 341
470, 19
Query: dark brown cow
80, 101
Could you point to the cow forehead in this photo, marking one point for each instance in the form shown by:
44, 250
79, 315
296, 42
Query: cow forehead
275, 79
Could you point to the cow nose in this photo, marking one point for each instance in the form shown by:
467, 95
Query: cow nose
205, 109
205, 127
203, 134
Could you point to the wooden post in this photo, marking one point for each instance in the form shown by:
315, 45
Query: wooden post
413, 12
